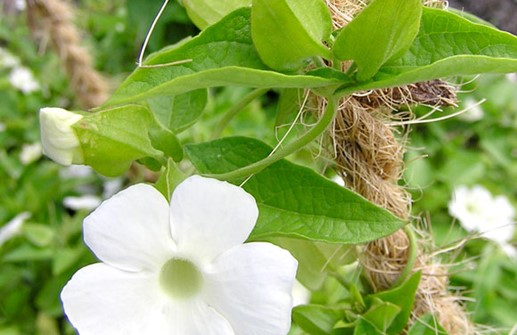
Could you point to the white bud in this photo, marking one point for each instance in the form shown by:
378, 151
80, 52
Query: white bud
59, 141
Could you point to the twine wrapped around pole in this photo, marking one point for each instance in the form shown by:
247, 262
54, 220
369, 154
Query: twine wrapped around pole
52, 20
369, 157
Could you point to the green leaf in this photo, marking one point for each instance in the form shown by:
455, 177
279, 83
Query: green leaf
295, 201
179, 112
26, 253
364, 327
221, 55
403, 296
39, 234
112, 139
381, 314
447, 45
316, 319
65, 259
426, 325
207, 12
383, 31
286, 32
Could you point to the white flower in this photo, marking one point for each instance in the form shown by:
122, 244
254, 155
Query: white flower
7, 60
58, 139
76, 171
87, 202
30, 153
180, 269
13, 227
20, 5
512, 77
111, 186
473, 112
22, 79
478, 211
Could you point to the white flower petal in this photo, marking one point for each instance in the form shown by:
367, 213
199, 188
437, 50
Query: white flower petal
102, 300
250, 285
499, 232
23, 79
209, 216
30, 153
131, 230
301, 295
194, 318
13, 227
58, 139
87, 202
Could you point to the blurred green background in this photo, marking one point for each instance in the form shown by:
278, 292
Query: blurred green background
44, 204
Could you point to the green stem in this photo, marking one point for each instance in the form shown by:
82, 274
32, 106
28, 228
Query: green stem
413, 252
232, 112
305, 139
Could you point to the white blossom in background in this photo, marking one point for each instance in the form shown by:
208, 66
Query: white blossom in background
76, 171
87, 202
111, 186
8, 60
20, 5
59, 141
478, 211
180, 268
512, 77
473, 112
23, 79
30, 153
13, 227
3, 127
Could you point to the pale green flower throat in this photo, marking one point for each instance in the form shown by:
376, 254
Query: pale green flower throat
180, 278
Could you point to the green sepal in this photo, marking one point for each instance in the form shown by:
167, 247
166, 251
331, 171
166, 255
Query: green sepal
112, 139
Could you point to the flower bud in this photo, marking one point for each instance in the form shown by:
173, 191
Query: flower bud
59, 141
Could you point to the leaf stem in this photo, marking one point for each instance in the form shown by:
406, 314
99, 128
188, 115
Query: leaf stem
232, 112
290, 148
413, 252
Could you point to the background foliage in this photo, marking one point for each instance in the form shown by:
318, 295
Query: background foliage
48, 249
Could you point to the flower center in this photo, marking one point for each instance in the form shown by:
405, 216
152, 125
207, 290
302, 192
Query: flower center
180, 278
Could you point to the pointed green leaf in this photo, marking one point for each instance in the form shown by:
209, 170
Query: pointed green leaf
381, 314
426, 325
286, 32
403, 296
113, 138
364, 327
316, 319
384, 30
447, 45
221, 55
295, 201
